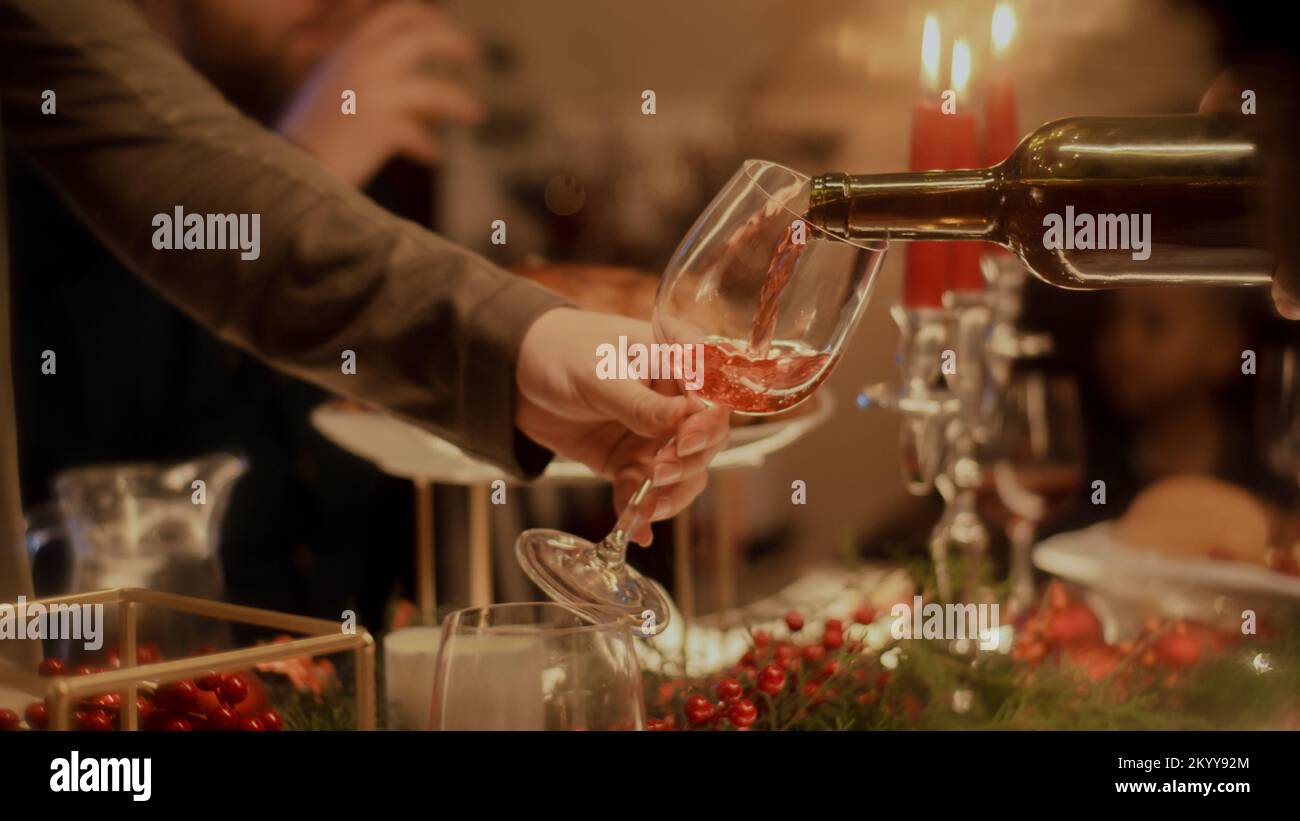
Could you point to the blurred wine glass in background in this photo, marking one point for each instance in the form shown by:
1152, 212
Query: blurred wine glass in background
1278, 413
1036, 467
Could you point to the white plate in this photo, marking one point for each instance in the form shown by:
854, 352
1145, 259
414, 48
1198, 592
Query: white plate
1133, 582
401, 449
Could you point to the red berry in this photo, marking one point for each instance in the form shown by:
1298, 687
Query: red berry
271, 720
810, 688
85, 670
771, 679
831, 668
1073, 623
176, 724
1095, 662
834, 624
784, 654
794, 621
143, 708
1178, 648
729, 689
834, 639
250, 724
50, 666
656, 724
233, 690
865, 614
813, 653
37, 715
221, 718
742, 713
94, 720
748, 660
762, 638
114, 658
699, 709
181, 696
882, 680
208, 682
148, 653
108, 701
8, 719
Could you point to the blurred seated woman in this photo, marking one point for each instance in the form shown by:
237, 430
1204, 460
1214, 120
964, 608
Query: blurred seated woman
1169, 397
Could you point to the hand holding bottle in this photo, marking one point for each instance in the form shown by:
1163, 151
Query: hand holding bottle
1279, 132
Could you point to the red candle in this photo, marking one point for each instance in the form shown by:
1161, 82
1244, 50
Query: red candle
923, 272
1000, 111
1003, 129
1001, 114
963, 273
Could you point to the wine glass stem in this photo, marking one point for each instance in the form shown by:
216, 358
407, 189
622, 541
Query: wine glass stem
612, 549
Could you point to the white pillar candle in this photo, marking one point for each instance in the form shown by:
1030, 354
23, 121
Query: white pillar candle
409, 658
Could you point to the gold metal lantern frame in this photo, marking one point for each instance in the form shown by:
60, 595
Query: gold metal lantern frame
319, 637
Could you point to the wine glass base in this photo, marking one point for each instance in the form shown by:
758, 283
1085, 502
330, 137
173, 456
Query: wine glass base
569, 571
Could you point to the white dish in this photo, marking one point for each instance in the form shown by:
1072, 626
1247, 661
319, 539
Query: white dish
1130, 582
402, 449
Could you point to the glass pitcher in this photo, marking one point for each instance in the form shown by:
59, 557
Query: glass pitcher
153, 525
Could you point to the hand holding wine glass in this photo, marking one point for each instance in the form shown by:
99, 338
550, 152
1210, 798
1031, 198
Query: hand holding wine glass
769, 300
614, 426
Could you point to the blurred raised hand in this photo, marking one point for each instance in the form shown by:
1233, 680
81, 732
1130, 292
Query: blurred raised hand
402, 62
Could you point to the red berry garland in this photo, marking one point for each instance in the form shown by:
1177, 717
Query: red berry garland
699, 710
743, 713
771, 679
177, 706
729, 689
233, 690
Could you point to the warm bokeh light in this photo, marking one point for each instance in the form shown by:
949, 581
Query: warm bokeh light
960, 66
1004, 27
930, 53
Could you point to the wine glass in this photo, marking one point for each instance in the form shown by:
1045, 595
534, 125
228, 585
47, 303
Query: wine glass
1277, 412
536, 666
766, 301
1037, 467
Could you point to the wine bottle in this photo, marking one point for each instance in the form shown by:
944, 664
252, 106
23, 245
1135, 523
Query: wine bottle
1085, 202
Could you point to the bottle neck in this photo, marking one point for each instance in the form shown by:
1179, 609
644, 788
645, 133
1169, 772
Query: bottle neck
923, 205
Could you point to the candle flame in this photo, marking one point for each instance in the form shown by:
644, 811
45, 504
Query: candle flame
1004, 27
930, 53
960, 66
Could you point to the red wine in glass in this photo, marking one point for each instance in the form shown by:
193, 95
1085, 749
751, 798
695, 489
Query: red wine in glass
785, 259
750, 383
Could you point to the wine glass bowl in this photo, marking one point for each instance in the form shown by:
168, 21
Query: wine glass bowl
770, 296
770, 300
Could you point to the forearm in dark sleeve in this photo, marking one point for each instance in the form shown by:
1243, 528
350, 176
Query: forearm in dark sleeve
435, 329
